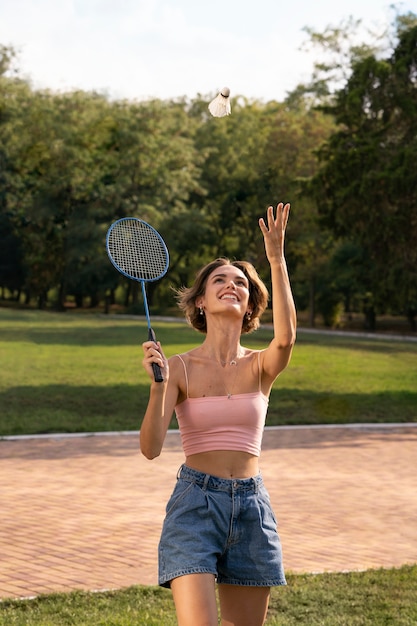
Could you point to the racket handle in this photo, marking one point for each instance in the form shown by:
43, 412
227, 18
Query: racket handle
157, 374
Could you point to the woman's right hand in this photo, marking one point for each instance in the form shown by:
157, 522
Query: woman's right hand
153, 353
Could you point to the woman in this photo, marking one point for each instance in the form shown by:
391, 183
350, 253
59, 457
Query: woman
219, 524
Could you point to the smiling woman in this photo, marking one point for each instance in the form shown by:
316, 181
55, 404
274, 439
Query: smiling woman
219, 524
240, 279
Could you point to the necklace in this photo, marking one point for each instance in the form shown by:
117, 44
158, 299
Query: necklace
233, 363
229, 388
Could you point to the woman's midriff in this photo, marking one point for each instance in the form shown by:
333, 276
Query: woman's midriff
224, 463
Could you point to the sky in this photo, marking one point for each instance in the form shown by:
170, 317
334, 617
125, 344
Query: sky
140, 49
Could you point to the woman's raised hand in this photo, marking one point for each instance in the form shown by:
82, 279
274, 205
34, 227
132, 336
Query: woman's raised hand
274, 231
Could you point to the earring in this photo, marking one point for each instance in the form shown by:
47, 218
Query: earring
201, 311
248, 315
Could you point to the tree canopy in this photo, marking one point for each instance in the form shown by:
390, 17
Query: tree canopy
341, 149
366, 188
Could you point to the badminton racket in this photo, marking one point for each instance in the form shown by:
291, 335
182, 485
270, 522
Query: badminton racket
138, 251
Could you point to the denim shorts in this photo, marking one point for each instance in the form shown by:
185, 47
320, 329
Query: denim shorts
222, 527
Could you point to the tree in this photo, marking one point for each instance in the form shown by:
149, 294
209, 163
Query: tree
366, 188
339, 48
75, 163
12, 92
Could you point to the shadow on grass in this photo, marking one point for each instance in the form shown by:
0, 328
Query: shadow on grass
69, 409
293, 406
72, 409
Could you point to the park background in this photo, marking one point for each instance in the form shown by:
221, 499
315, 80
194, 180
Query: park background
341, 148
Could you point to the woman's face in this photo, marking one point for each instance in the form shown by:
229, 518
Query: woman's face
227, 289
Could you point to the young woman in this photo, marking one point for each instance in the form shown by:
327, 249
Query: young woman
219, 526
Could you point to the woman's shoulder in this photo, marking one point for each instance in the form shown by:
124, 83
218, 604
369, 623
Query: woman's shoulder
181, 356
180, 362
251, 353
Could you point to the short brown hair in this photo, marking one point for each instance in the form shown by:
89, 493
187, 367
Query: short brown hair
258, 295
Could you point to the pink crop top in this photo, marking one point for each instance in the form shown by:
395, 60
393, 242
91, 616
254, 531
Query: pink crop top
222, 423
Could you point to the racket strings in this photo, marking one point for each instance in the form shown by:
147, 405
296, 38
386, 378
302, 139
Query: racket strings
138, 250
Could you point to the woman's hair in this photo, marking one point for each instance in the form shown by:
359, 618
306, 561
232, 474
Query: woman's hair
258, 295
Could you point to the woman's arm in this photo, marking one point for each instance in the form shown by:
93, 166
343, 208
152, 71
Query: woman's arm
277, 356
162, 400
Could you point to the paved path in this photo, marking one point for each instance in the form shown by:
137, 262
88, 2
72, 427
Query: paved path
85, 513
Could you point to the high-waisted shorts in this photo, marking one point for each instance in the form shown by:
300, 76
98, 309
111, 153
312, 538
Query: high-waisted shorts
222, 527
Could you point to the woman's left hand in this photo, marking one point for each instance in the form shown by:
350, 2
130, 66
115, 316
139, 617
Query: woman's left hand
274, 231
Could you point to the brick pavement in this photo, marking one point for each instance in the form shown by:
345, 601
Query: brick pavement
86, 513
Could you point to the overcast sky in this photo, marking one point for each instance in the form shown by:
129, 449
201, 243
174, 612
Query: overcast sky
167, 48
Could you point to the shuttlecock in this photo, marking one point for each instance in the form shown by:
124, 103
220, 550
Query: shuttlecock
220, 106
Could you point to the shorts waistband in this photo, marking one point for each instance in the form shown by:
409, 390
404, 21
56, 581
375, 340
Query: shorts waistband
230, 485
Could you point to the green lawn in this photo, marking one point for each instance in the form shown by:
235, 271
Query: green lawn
372, 598
80, 373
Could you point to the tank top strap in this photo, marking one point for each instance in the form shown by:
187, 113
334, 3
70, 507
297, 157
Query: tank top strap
259, 372
185, 372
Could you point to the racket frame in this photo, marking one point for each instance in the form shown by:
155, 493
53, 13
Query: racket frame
151, 335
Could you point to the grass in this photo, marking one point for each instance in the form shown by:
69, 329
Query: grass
384, 597
83, 373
